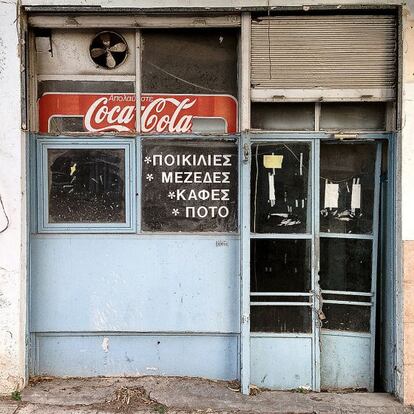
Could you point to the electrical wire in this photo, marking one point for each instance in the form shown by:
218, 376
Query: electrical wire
5, 215
183, 80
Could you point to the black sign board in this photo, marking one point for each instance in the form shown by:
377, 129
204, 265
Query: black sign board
189, 186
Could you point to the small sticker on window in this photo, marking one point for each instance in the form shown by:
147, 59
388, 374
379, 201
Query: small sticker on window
272, 161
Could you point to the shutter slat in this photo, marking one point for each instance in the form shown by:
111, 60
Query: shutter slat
324, 52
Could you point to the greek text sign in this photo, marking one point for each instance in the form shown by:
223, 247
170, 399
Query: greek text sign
189, 187
115, 112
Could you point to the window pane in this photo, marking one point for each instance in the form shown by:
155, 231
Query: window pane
353, 116
189, 81
280, 265
346, 317
281, 319
345, 264
86, 185
190, 61
283, 116
347, 187
280, 184
189, 186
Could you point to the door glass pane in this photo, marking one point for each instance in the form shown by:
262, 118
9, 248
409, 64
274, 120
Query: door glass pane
280, 188
281, 319
280, 265
86, 185
347, 187
343, 317
345, 264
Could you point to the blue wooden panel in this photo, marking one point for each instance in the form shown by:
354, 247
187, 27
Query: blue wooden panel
281, 363
345, 360
95, 283
206, 356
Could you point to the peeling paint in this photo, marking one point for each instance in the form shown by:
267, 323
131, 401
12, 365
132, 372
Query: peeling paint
105, 344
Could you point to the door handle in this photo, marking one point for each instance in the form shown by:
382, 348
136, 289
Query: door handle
246, 152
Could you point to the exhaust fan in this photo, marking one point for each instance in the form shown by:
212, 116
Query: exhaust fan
108, 50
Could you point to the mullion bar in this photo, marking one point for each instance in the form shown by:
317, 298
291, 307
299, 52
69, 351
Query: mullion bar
280, 303
346, 293
347, 302
281, 236
347, 236
316, 324
280, 294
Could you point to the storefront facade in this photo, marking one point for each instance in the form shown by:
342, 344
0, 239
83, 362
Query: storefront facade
220, 192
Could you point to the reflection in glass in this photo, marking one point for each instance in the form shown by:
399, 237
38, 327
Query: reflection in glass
280, 265
353, 116
345, 264
280, 186
86, 185
190, 61
283, 116
347, 187
281, 319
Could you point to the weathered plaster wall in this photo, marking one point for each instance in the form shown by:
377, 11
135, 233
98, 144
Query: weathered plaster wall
407, 199
12, 239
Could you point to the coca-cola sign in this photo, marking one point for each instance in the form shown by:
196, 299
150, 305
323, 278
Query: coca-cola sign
160, 114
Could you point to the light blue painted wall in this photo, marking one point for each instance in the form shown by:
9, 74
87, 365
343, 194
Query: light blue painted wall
210, 356
88, 287
92, 283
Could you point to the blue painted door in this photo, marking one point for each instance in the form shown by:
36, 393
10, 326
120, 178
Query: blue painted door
313, 242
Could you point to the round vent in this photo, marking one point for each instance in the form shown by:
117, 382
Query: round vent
108, 50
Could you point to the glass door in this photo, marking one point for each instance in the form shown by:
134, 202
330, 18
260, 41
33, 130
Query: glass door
312, 249
283, 317
349, 204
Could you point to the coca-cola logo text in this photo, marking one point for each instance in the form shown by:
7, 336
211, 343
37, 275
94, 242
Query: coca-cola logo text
159, 113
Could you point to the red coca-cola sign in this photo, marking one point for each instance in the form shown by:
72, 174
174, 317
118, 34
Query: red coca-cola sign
174, 114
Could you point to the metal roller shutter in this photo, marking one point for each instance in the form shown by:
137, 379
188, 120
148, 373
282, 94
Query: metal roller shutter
324, 52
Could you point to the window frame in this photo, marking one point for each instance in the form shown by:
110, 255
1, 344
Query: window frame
42, 176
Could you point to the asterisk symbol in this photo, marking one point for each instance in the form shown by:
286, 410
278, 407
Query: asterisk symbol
171, 195
175, 212
149, 177
147, 160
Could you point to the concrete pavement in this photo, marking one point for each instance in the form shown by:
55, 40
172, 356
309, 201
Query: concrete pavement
174, 395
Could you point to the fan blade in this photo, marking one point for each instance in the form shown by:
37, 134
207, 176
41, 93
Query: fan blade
106, 39
97, 52
110, 61
118, 48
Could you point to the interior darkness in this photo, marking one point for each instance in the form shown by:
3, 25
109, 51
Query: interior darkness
281, 319
190, 61
86, 185
344, 166
345, 264
280, 265
287, 210
346, 317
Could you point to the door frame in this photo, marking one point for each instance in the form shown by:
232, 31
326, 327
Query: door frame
247, 138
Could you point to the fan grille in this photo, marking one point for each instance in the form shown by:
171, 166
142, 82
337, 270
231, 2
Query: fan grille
108, 50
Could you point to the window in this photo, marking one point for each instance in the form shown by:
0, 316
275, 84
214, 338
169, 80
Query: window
85, 185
